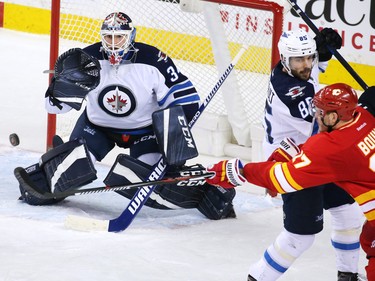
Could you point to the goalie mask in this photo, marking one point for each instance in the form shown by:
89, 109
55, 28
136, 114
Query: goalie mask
296, 43
117, 34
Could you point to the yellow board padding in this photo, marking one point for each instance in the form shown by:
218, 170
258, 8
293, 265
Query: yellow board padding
173, 44
336, 73
27, 19
37, 20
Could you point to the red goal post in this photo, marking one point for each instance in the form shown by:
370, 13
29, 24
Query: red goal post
202, 37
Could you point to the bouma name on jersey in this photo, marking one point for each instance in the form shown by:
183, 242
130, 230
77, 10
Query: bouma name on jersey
117, 101
367, 144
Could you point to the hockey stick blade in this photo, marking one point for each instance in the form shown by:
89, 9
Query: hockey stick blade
31, 188
85, 224
49, 71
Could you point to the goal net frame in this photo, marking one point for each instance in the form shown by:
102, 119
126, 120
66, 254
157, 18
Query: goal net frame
274, 8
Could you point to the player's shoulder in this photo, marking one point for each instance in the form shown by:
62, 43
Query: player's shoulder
144, 48
151, 55
321, 144
95, 50
347, 135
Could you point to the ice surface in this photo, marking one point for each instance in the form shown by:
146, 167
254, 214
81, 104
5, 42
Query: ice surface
159, 245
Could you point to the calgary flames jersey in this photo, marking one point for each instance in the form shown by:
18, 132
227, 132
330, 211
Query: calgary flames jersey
344, 156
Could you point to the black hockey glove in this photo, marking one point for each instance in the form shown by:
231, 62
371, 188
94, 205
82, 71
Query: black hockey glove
49, 94
367, 99
326, 40
76, 74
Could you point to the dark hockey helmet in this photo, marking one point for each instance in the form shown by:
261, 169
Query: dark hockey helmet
339, 98
118, 35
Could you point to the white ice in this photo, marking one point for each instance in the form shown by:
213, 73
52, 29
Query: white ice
159, 245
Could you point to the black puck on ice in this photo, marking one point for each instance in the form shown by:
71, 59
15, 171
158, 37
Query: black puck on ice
14, 139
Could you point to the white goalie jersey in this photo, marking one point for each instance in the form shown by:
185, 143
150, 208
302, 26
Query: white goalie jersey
127, 95
288, 110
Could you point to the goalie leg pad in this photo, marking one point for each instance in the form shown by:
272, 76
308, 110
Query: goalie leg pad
173, 134
217, 202
185, 194
68, 166
38, 177
127, 170
65, 167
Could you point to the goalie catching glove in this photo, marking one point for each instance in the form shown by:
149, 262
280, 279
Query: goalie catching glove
76, 73
227, 173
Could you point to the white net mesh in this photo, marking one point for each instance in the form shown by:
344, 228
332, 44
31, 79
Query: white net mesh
200, 53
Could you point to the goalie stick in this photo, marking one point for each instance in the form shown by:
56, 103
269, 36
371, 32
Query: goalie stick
29, 186
136, 203
338, 56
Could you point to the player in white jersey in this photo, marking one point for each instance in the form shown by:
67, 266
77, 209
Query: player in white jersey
136, 79
288, 114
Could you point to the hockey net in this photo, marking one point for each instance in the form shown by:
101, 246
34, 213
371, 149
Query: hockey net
202, 37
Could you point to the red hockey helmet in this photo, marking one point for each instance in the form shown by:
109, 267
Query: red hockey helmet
339, 98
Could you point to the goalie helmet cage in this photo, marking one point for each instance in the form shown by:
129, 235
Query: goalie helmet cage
201, 37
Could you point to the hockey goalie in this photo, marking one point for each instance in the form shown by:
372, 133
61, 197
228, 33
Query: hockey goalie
136, 98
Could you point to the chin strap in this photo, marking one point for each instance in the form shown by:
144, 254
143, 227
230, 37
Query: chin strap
329, 127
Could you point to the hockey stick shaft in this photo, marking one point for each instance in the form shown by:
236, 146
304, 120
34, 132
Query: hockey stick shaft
21, 175
218, 85
139, 199
338, 56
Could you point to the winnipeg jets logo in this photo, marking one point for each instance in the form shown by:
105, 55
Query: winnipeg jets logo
117, 21
162, 56
117, 101
295, 92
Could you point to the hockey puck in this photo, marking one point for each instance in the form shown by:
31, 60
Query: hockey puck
14, 139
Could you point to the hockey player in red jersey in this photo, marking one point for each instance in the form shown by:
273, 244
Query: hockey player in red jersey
293, 83
342, 152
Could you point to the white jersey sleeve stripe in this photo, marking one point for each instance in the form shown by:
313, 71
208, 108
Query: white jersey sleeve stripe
284, 179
